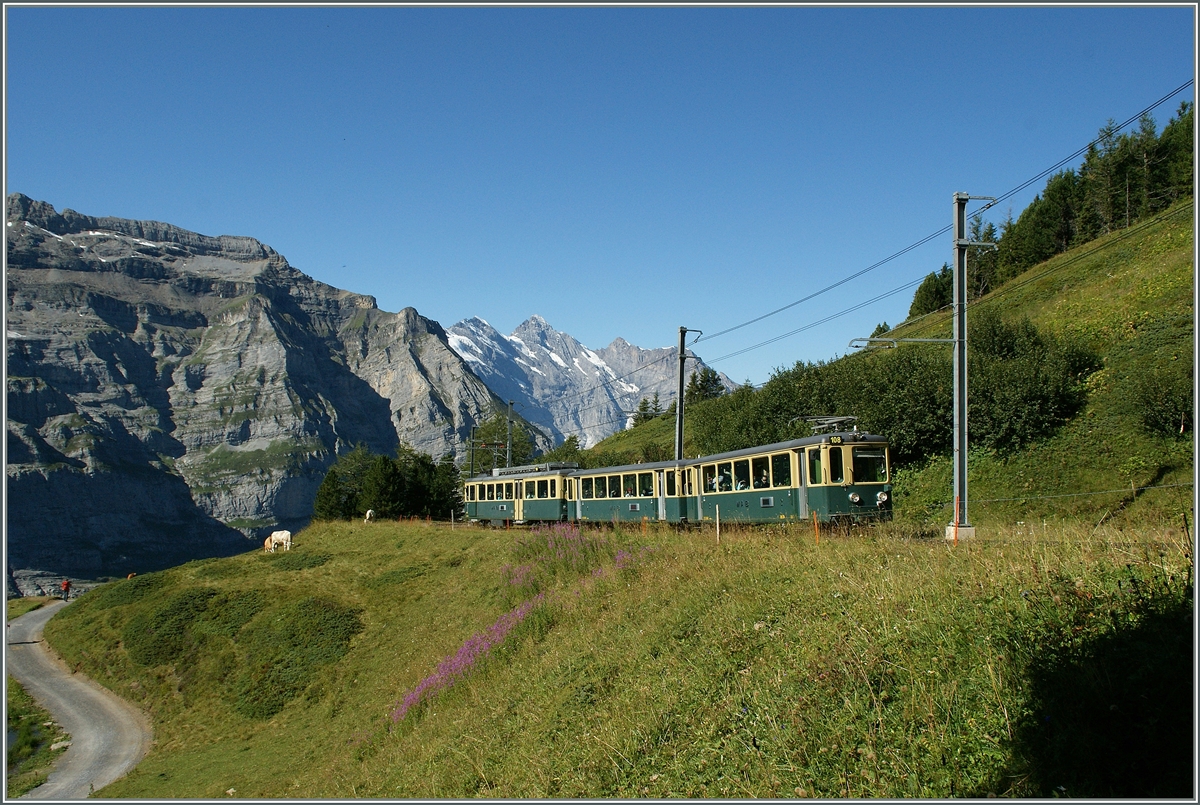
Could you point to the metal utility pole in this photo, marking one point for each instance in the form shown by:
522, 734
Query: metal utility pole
683, 331
471, 447
960, 527
508, 451
679, 398
961, 523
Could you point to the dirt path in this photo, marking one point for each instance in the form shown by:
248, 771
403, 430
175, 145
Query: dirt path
108, 734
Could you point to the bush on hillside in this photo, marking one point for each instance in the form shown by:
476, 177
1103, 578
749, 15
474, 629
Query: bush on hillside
1162, 396
229, 611
283, 649
165, 635
1023, 384
125, 591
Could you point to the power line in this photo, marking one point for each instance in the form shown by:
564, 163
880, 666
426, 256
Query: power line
825, 320
607, 382
941, 231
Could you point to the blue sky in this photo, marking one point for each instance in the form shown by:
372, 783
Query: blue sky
620, 171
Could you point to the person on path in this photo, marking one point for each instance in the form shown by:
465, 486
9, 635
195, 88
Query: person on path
66, 589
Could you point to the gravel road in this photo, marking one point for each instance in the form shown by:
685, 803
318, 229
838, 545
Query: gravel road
108, 734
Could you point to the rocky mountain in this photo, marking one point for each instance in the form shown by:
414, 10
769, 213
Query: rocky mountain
562, 386
171, 396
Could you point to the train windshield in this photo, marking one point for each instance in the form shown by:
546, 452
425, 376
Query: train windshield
870, 465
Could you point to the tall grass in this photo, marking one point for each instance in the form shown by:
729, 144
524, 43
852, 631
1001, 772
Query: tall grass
877, 663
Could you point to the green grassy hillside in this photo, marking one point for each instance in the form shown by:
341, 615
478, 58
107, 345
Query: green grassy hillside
1051, 656
1128, 298
777, 662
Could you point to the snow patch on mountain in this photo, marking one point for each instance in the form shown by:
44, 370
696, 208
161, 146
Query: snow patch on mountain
566, 388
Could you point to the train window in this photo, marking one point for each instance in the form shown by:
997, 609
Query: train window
814, 467
687, 490
630, 483
491, 492
553, 485
471, 492
614, 486
709, 475
760, 472
585, 489
646, 484
781, 469
529, 490
601, 488
870, 465
570, 489
836, 474
741, 474
508, 491
543, 489
724, 476
670, 483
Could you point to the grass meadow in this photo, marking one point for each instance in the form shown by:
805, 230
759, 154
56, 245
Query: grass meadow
657, 663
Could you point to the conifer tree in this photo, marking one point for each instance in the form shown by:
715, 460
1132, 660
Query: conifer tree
703, 385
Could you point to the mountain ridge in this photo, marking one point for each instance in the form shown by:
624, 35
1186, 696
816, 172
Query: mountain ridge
205, 383
563, 385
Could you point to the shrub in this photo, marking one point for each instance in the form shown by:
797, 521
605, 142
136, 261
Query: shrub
285, 646
166, 634
229, 612
1162, 397
1024, 384
125, 591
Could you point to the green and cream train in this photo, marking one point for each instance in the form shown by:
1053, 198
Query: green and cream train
836, 476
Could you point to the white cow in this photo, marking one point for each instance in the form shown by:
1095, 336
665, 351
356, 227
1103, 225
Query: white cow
277, 539
370, 515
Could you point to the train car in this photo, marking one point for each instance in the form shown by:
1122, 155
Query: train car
661, 491
532, 493
843, 476
838, 476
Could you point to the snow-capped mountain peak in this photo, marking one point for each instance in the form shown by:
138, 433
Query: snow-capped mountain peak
561, 385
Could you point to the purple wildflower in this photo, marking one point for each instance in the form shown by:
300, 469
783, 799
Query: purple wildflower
456, 666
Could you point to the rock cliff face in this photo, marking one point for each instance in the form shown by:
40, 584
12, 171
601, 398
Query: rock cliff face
563, 386
171, 396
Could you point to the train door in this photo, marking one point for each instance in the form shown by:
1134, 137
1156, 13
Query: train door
662, 495
801, 484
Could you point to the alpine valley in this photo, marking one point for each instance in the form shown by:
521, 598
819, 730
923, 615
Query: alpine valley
173, 396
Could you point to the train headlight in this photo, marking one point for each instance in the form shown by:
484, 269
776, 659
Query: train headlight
882, 497
854, 498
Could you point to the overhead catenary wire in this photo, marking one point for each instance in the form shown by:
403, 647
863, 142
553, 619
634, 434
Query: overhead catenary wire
1116, 238
943, 230
607, 382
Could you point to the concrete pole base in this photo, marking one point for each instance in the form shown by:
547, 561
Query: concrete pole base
964, 532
